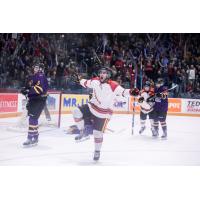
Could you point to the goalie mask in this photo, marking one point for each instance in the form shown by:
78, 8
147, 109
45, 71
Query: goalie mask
104, 74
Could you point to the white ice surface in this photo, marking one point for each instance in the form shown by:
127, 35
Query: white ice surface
119, 148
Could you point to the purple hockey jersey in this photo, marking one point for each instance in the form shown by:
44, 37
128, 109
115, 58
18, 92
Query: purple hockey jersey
39, 85
161, 103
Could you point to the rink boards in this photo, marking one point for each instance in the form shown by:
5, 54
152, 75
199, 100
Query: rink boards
12, 104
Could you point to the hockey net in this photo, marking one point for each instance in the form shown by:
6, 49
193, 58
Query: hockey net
49, 118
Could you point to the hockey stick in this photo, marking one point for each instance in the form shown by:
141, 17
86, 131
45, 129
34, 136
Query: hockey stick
135, 86
172, 87
152, 97
110, 130
167, 89
97, 56
116, 132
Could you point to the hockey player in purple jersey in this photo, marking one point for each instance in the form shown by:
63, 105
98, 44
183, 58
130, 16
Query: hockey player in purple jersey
160, 108
36, 92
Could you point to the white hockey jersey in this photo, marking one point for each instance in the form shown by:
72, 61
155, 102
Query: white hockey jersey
145, 106
104, 95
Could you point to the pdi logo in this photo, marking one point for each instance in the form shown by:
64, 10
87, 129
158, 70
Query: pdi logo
174, 105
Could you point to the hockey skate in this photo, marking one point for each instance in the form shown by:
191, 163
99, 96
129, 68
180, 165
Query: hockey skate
154, 133
142, 129
84, 134
164, 135
30, 142
82, 137
96, 155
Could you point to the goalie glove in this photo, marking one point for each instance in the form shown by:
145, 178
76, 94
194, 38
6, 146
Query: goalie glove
134, 92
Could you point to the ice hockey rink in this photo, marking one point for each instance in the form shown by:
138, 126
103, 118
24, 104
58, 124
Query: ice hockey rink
120, 148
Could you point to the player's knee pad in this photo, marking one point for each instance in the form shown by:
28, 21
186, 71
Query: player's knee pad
77, 114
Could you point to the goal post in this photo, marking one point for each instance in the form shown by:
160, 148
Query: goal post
50, 116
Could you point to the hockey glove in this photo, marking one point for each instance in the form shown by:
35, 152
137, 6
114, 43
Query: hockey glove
141, 99
134, 92
159, 95
28, 106
151, 99
25, 91
75, 78
90, 96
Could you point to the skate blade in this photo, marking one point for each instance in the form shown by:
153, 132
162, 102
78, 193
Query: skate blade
82, 139
155, 136
30, 145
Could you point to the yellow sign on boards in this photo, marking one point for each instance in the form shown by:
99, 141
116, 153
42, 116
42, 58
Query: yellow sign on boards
71, 101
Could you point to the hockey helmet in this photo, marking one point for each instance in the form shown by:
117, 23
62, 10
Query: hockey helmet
36, 68
41, 65
107, 70
159, 82
147, 85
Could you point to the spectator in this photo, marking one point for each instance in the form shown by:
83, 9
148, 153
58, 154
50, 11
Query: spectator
163, 55
191, 75
59, 75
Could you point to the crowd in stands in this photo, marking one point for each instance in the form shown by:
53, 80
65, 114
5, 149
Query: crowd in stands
174, 57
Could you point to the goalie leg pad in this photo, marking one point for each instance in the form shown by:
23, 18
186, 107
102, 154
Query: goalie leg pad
77, 114
78, 118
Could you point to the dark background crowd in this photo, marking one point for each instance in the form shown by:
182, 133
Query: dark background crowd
173, 57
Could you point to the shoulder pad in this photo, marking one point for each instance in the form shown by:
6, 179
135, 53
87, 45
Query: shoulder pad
95, 78
113, 84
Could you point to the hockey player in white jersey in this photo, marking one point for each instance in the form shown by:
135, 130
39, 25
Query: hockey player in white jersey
146, 106
100, 108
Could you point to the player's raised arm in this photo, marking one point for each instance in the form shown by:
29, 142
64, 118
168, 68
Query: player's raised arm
126, 92
89, 83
